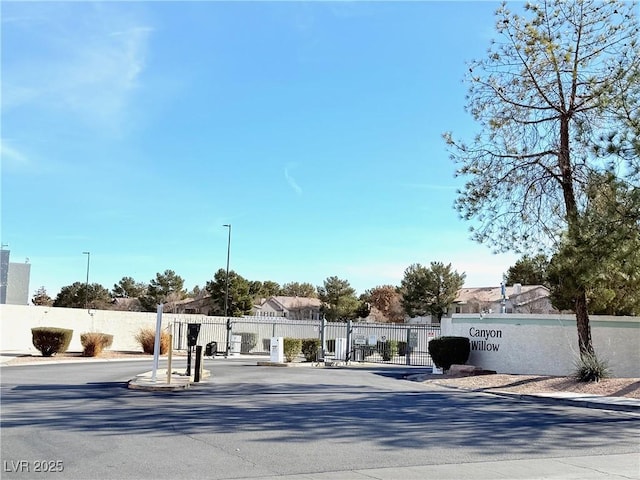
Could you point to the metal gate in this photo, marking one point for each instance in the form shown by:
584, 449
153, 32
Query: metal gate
402, 344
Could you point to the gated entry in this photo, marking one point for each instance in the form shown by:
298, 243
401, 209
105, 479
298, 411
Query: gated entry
405, 344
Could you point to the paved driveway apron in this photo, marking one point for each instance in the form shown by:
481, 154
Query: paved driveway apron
250, 421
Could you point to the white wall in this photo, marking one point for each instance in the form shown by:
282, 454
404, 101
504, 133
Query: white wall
526, 344
545, 344
16, 322
424, 320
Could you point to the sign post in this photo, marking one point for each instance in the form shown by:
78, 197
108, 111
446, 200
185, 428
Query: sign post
156, 343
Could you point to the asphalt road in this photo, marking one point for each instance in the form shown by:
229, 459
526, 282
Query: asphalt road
249, 421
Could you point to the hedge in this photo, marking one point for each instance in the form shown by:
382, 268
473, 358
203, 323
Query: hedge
447, 351
292, 348
51, 340
310, 347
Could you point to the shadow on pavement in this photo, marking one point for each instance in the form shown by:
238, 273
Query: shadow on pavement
407, 418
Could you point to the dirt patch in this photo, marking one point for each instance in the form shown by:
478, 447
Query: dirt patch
531, 384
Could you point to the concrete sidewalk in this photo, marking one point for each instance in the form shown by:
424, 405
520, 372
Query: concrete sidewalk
606, 467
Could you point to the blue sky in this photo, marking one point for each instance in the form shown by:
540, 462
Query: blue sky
135, 130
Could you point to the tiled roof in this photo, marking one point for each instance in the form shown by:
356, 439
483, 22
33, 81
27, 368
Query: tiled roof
290, 303
494, 294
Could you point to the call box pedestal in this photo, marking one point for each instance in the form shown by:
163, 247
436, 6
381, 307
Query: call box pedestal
277, 349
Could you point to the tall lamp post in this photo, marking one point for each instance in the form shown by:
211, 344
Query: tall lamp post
226, 293
86, 291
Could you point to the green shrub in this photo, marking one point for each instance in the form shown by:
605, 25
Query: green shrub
388, 349
310, 347
51, 340
94, 343
146, 337
402, 348
249, 341
447, 351
292, 348
591, 369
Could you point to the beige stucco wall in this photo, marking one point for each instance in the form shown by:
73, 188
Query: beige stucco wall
16, 322
527, 344
546, 344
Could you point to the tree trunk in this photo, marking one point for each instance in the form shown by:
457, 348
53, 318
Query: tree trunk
572, 215
582, 321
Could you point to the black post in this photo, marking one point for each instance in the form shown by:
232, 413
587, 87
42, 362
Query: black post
347, 356
192, 340
196, 374
226, 354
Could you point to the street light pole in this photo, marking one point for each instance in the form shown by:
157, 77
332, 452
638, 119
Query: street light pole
226, 293
86, 292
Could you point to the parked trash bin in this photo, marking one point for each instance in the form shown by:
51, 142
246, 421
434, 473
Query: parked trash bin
211, 349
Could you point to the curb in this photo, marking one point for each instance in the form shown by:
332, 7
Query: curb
304, 364
160, 387
178, 382
599, 403
59, 362
273, 364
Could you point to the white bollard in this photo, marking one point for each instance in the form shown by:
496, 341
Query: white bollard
277, 349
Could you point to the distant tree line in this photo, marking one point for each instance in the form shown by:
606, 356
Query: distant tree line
424, 291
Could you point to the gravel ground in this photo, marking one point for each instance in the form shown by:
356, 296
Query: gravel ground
530, 384
525, 384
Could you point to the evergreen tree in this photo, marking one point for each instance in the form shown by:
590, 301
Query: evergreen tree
239, 301
561, 75
430, 290
41, 298
339, 301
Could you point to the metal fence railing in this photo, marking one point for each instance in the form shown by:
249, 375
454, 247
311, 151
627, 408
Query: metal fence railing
405, 344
